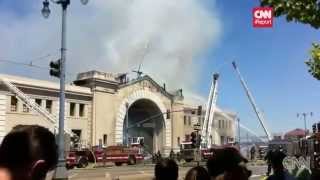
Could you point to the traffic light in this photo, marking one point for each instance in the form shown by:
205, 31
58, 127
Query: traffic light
168, 113
318, 127
314, 128
194, 139
55, 68
199, 111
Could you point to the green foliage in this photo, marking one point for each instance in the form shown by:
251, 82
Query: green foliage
314, 62
304, 11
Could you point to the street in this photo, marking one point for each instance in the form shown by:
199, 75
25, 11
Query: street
138, 172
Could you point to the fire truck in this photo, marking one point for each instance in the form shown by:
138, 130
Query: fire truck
190, 153
120, 154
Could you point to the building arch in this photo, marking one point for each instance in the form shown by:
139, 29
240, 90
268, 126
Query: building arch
133, 97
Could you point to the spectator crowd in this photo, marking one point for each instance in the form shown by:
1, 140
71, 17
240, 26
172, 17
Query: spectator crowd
29, 152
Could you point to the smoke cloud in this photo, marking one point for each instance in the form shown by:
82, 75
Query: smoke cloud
166, 36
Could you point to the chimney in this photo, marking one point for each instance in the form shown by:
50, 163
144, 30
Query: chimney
164, 86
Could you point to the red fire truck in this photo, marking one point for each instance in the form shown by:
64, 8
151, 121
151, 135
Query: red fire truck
121, 154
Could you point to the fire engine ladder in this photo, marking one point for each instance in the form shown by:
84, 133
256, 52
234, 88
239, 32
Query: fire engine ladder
251, 99
206, 131
32, 104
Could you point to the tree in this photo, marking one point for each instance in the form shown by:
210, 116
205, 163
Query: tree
303, 11
314, 61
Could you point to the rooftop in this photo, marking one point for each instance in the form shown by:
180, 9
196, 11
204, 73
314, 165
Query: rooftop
43, 84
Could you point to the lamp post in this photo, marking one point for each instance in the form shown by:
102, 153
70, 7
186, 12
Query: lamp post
304, 115
61, 171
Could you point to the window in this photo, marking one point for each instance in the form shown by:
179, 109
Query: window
14, 104
49, 106
81, 110
178, 141
219, 124
25, 108
199, 120
189, 120
39, 102
185, 120
72, 109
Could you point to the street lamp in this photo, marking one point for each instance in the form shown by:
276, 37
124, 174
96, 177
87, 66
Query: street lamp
304, 114
61, 171
45, 10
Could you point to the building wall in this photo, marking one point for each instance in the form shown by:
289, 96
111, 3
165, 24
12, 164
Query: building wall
3, 108
178, 131
23, 115
104, 116
102, 109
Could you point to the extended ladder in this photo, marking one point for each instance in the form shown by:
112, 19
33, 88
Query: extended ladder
253, 103
32, 104
206, 131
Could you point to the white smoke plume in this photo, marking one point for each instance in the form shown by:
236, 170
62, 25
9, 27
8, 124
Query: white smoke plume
167, 36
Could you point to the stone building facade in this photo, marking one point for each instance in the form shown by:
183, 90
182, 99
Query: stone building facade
105, 109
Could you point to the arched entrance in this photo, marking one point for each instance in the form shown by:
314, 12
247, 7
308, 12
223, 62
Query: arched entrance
145, 119
153, 104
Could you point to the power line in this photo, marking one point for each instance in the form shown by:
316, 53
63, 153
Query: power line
30, 65
23, 64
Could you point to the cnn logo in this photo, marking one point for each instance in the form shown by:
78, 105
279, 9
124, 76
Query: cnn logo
262, 17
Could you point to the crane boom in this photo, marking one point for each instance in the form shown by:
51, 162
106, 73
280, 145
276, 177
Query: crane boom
210, 109
251, 99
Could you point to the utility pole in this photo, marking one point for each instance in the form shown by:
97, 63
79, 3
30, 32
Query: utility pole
61, 171
304, 115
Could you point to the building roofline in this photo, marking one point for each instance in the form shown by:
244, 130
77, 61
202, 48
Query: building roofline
42, 84
146, 77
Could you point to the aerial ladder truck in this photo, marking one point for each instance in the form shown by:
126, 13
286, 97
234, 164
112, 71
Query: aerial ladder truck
206, 132
252, 102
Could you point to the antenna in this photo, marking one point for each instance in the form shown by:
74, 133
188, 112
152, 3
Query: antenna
146, 50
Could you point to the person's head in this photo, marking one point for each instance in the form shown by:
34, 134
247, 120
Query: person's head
5, 174
239, 172
29, 152
197, 173
166, 169
277, 159
226, 159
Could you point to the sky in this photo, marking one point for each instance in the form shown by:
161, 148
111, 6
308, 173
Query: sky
183, 43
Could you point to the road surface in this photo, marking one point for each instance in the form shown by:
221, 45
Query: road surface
137, 172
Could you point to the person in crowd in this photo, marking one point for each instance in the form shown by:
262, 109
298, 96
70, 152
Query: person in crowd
28, 152
279, 172
172, 155
166, 169
252, 153
267, 158
229, 164
5, 174
197, 173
